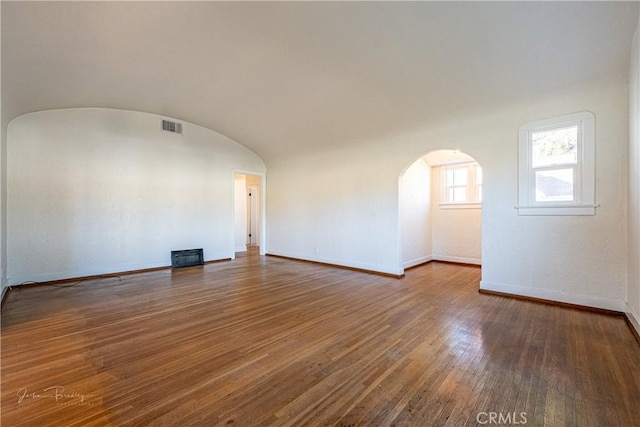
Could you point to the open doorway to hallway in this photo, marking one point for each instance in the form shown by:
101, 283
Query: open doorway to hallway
247, 213
441, 209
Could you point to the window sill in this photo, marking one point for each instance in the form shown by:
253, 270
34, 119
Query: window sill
557, 210
460, 205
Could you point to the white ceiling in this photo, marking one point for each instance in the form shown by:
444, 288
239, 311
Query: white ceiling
285, 77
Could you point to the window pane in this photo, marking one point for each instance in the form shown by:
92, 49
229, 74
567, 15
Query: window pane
555, 147
459, 194
554, 185
478, 170
449, 177
460, 176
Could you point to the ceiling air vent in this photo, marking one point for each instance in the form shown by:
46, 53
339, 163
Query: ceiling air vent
170, 126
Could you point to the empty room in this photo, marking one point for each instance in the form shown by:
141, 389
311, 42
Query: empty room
320, 213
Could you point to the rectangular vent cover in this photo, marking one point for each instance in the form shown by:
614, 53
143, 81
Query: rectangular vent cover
170, 126
186, 258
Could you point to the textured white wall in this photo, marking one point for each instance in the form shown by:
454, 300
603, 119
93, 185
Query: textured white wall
3, 184
93, 191
344, 202
633, 263
579, 260
337, 206
415, 214
457, 233
240, 211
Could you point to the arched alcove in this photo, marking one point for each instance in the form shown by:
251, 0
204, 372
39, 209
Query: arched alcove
440, 200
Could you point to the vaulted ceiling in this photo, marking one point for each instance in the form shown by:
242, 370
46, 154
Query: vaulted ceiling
286, 77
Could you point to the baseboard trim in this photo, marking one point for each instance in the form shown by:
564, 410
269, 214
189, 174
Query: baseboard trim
457, 259
463, 264
466, 264
92, 277
552, 302
345, 267
633, 322
418, 265
555, 297
416, 262
108, 275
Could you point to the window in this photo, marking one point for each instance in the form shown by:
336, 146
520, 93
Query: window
557, 166
461, 185
477, 170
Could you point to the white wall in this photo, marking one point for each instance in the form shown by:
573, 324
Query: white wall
457, 233
240, 211
415, 214
633, 263
337, 206
3, 187
93, 191
344, 202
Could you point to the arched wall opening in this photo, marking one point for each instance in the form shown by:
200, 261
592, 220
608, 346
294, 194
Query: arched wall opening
440, 200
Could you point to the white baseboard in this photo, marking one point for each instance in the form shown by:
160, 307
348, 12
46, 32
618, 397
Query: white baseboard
634, 319
417, 261
341, 263
585, 300
462, 260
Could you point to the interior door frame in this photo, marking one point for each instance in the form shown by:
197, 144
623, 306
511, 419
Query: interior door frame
253, 233
262, 215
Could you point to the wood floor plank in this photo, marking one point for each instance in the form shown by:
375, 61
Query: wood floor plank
263, 341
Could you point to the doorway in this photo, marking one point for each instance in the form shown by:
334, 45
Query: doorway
253, 206
248, 212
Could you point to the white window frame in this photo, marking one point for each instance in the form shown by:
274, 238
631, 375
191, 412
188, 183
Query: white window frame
583, 202
473, 200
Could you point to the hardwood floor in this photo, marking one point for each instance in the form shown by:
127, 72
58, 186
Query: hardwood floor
262, 341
